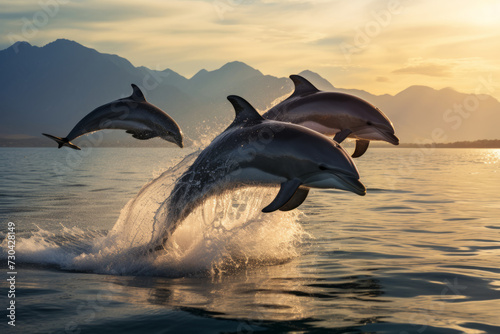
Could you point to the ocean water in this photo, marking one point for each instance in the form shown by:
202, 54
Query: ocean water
420, 253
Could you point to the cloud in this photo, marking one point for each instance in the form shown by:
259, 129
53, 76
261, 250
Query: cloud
333, 40
455, 41
483, 44
444, 67
433, 70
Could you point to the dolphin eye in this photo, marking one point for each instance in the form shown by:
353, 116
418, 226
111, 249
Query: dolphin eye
369, 123
322, 167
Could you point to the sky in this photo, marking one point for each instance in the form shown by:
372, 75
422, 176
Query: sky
382, 46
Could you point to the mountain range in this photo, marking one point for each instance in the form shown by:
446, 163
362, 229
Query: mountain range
50, 88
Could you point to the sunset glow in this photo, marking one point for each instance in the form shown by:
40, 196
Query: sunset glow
379, 46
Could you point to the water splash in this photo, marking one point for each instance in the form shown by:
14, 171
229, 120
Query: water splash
230, 231
226, 232
136, 225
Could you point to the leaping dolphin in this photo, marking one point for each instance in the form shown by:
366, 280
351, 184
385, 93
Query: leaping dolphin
256, 151
133, 114
331, 112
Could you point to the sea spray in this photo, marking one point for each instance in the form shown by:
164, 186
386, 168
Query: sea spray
229, 231
226, 232
136, 226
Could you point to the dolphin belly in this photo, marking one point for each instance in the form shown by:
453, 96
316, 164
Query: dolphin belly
127, 125
328, 180
328, 131
375, 133
253, 175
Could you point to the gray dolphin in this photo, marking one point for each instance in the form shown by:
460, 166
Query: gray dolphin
256, 151
331, 112
133, 114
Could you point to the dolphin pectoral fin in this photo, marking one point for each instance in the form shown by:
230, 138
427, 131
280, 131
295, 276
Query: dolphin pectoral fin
142, 135
361, 147
62, 141
342, 135
287, 190
297, 199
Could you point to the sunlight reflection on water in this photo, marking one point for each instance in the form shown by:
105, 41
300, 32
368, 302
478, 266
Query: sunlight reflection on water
419, 253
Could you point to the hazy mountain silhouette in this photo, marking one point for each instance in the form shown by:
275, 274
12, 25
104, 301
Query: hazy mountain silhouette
48, 89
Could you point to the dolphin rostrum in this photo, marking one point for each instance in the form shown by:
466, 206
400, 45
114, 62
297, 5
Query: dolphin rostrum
256, 151
133, 114
331, 112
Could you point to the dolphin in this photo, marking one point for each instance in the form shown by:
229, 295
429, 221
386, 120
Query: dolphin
331, 112
134, 114
256, 151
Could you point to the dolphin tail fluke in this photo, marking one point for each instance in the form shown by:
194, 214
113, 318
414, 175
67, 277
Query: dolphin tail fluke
62, 141
361, 147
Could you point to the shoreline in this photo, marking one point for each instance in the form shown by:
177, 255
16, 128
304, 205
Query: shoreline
485, 143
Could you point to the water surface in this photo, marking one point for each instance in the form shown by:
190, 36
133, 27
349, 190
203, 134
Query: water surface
420, 253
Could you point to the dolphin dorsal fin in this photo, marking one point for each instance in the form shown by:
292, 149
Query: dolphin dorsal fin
244, 110
137, 94
302, 86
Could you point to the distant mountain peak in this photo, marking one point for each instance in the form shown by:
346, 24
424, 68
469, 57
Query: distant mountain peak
237, 65
417, 90
233, 68
18, 46
421, 87
63, 43
309, 73
234, 63
199, 74
238, 69
49, 88
22, 43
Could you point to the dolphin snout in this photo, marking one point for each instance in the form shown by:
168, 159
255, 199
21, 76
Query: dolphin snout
339, 180
353, 185
392, 139
176, 139
388, 135
179, 142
